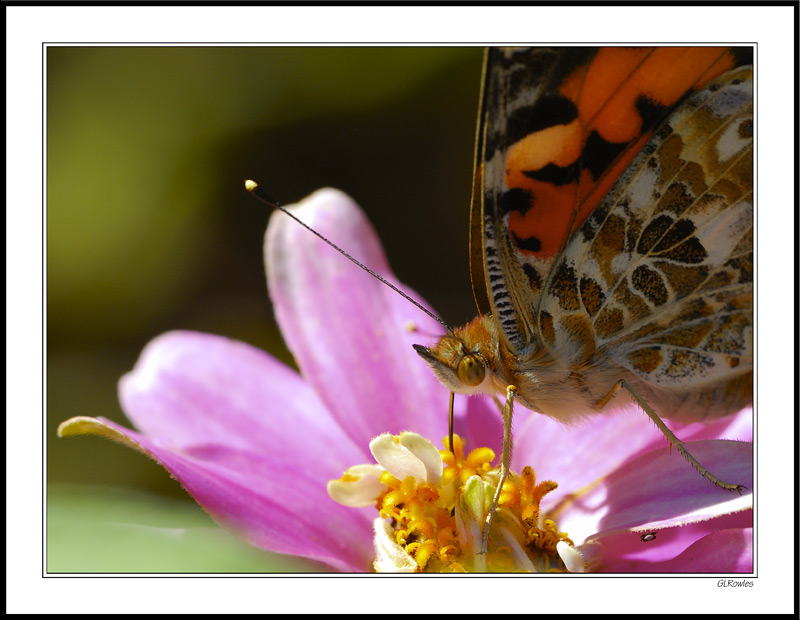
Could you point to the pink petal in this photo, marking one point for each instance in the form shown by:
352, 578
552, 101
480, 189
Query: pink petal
191, 389
659, 490
612, 550
347, 331
481, 425
727, 550
738, 426
277, 509
577, 455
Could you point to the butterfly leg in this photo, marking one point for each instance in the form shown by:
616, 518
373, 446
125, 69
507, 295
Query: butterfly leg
505, 464
673, 440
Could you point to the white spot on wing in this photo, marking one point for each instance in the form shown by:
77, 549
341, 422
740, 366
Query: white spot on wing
731, 143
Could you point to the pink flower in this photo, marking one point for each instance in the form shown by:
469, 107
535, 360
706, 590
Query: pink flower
256, 443
631, 505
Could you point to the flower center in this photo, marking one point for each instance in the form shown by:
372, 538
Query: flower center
439, 524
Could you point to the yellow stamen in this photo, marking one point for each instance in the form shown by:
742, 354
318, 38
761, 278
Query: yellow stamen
479, 457
424, 518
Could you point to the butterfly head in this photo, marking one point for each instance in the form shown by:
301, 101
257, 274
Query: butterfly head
464, 359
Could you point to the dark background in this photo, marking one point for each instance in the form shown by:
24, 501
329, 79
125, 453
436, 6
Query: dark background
149, 227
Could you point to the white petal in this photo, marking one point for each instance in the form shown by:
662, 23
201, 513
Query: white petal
359, 486
397, 459
389, 556
426, 452
570, 556
521, 559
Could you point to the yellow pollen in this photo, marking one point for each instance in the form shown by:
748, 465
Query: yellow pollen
389, 480
424, 552
509, 496
449, 475
425, 528
427, 493
427, 518
480, 456
392, 498
447, 552
530, 514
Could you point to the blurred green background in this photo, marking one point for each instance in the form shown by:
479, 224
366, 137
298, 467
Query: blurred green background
149, 229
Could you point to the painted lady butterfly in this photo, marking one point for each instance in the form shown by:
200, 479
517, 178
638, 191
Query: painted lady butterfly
611, 233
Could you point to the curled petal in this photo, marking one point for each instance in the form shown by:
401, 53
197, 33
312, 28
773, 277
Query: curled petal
639, 548
359, 486
660, 490
728, 550
397, 459
390, 557
427, 453
571, 557
609, 442
273, 509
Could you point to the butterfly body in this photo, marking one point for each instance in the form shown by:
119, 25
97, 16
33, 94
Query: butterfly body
545, 384
611, 232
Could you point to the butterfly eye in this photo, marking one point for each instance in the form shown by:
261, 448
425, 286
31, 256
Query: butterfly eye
471, 369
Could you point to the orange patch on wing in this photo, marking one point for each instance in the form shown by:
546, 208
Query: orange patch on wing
550, 215
560, 145
605, 92
606, 97
617, 77
663, 76
548, 219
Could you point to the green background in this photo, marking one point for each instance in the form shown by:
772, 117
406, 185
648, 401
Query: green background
149, 229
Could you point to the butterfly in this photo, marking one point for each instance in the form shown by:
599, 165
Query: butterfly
611, 234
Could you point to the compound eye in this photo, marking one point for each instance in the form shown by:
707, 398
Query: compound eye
471, 369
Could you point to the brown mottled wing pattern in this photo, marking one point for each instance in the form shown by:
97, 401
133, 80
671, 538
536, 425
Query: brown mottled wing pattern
612, 228
659, 277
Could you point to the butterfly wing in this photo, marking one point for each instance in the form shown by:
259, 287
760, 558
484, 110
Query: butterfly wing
559, 126
516, 101
658, 280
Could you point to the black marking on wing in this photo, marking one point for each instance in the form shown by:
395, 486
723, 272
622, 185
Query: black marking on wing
599, 154
547, 112
516, 199
556, 175
530, 244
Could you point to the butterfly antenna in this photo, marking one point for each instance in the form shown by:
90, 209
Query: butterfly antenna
450, 423
255, 189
